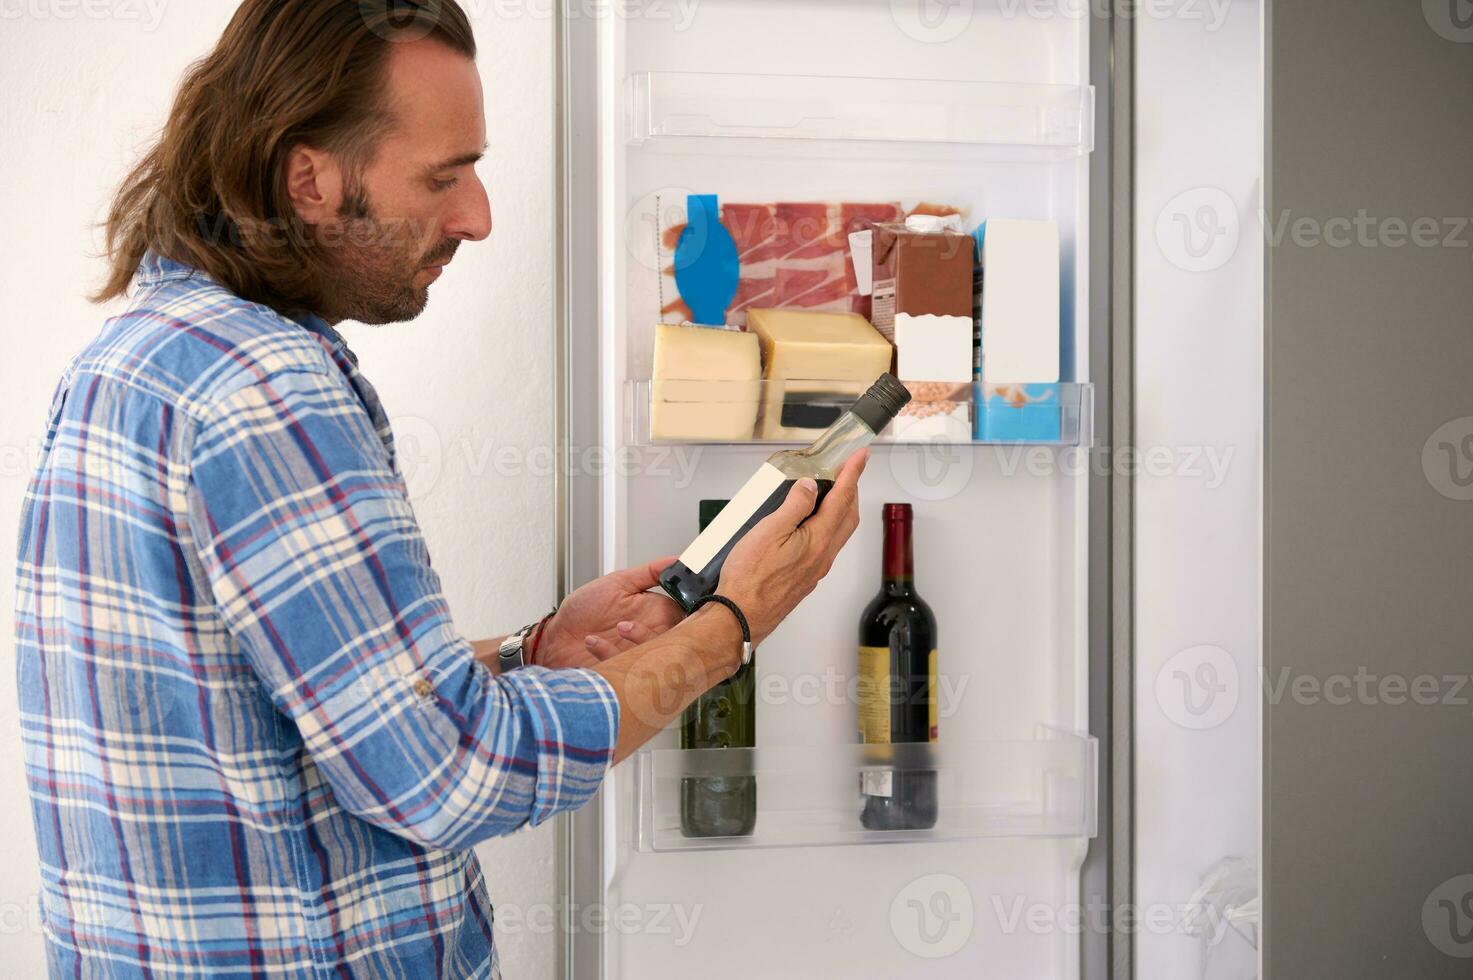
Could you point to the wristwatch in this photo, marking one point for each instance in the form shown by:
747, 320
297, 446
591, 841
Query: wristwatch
509, 654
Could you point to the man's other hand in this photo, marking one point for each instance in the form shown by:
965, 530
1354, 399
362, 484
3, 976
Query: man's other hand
607, 616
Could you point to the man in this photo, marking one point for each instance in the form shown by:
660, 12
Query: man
255, 742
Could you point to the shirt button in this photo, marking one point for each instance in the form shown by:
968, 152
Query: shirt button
423, 688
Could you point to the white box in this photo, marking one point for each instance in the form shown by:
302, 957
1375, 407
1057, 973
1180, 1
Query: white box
933, 348
1020, 301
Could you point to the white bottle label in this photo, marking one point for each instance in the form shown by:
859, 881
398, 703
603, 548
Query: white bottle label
877, 782
752, 496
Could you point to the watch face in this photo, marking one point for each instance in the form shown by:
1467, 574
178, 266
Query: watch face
511, 650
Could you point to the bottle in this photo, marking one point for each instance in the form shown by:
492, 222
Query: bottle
698, 571
897, 685
724, 717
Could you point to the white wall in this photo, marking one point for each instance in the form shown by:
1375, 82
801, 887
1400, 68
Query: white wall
79, 96
1199, 386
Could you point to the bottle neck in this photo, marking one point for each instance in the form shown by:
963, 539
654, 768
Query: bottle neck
899, 555
837, 443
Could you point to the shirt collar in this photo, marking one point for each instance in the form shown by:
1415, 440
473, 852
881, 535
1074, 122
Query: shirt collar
323, 329
156, 268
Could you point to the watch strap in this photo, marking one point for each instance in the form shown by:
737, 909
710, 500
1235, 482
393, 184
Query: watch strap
509, 655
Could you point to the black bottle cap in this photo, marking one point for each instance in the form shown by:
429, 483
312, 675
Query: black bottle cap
884, 400
709, 510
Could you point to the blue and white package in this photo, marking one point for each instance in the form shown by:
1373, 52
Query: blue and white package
1018, 413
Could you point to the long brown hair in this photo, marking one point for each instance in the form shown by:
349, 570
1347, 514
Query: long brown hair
211, 193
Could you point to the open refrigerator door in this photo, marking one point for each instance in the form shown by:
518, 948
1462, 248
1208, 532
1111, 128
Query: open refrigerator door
837, 111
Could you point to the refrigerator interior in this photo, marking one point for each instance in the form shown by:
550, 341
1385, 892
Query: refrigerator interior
1001, 533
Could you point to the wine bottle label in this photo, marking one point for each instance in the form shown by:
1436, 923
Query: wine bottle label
874, 692
733, 517
874, 695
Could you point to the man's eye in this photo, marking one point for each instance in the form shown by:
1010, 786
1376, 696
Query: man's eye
443, 185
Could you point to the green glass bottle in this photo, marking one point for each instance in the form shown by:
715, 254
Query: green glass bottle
722, 718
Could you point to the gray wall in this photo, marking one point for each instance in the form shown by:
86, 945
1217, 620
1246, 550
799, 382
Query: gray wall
1368, 815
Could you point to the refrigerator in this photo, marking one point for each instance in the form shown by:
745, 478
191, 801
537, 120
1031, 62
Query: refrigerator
1002, 110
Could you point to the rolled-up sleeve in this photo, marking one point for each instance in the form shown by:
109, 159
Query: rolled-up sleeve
313, 557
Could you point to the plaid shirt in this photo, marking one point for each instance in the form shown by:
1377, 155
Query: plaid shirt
254, 741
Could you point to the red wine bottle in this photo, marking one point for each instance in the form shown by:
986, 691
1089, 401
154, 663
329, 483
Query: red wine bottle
897, 684
724, 717
698, 571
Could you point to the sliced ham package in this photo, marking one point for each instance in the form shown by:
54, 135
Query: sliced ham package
792, 255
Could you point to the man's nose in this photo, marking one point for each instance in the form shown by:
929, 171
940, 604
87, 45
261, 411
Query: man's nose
470, 219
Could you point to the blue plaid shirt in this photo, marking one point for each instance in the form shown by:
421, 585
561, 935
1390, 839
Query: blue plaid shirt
254, 741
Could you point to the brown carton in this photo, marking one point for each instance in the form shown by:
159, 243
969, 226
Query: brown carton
919, 273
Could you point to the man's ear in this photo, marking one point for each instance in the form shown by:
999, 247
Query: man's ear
314, 182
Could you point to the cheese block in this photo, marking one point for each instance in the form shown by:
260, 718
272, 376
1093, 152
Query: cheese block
706, 384
800, 344
815, 364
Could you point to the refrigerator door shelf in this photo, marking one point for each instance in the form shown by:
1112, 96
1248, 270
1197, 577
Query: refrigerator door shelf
736, 413
809, 795
1056, 121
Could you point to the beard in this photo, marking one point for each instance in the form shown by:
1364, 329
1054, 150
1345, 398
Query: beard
371, 270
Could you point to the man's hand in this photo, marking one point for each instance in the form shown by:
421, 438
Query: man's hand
779, 562
768, 573
607, 616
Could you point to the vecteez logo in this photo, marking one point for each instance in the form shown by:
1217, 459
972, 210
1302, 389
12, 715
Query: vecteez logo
1198, 230
933, 917
656, 215
146, 13
931, 471
932, 21
1447, 459
419, 454
1451, 19
1447, 916
400, 21
1198, 688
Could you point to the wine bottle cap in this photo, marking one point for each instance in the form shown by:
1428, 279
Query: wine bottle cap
884, 400
897, 512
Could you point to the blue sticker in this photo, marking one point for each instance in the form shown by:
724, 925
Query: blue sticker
706, 265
